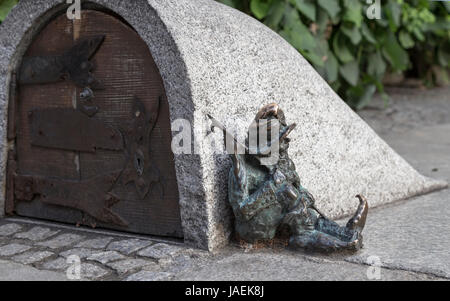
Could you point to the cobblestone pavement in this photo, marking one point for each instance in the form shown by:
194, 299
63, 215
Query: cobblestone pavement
102, 256
409, 237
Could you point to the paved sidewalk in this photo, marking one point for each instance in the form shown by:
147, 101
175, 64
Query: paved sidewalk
14, 271
30, 251
408, 240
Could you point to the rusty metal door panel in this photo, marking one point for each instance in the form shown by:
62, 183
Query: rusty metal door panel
98, 155
70, 129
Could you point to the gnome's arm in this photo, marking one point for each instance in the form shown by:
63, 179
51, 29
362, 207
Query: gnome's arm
245, 205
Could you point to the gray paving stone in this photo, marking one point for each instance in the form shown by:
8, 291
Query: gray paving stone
9, 229
128, 246
12, 271
37, 233
92, 272
96, 243
80, 252
264, 265
88, 271
63, 240
149, 276
32, 257
427, 149
160, 251
413, 236
131, 265
178, 264
57, 264
13, 249
106, 257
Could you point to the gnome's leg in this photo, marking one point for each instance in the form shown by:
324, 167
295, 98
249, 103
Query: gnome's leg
309, 230
331, 228
320, 241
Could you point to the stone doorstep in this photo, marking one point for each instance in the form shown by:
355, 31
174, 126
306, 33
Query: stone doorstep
37, 233
61, 241
96, 243
9, 229
128, 246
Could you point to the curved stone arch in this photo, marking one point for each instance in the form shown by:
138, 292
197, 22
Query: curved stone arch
29, 17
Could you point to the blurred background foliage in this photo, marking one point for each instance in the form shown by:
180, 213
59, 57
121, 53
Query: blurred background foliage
357, 55
5, 7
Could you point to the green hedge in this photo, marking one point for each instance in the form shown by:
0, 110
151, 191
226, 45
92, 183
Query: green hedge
354, 53
5, 7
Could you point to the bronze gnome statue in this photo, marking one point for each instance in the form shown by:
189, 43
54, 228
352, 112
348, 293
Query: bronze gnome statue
267, 196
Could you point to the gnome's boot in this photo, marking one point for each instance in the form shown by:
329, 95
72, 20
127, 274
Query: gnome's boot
358, 221
327, 236
313, 231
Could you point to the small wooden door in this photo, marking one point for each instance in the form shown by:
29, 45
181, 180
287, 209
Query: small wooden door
92, 130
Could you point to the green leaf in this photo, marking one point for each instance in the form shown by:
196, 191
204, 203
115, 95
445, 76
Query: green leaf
352, 32
376, 65
331, 7
395, 54
331, 68
418, 34
322, 20
291, 19
298, 34
368, 35
367, 96
405, 39
340, 47
314, 59
350, 72
260, 8
5, 7
382, 22
301, 37
307, 8
393, 11
275, 14
353, 12
441, 27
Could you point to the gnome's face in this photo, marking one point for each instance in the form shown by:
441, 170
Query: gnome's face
271, 122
